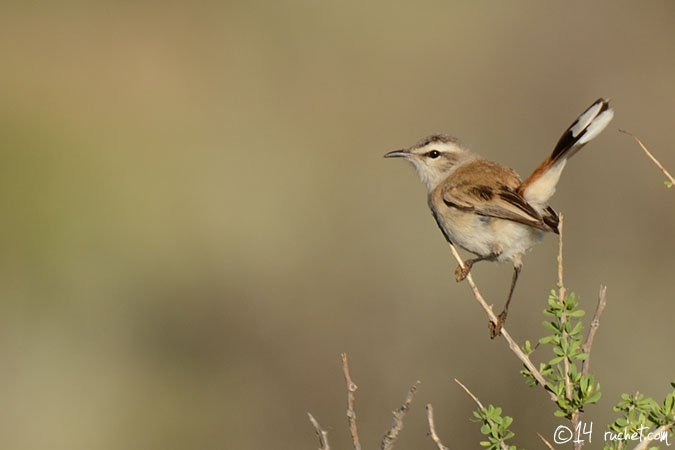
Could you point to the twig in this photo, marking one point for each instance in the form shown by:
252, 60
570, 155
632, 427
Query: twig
432, 429
561, 285
480, 405
323, 435
351, 413
595, 323
515, 348
547, 443
397, 425
654, 160
643, 445
562, 296
473, 397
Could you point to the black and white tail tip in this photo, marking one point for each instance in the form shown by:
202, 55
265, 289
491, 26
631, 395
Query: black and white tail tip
587, 126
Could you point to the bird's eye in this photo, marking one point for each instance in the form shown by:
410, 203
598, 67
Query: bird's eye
434, 154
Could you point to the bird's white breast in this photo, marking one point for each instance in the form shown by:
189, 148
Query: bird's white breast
484, 236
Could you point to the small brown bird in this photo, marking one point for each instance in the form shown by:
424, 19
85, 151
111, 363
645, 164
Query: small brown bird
484, 207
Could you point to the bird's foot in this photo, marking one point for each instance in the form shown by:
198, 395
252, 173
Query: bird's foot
496, 328
462, 271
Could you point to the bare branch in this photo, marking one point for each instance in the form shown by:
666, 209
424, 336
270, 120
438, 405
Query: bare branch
515, 348
595, 323
432, 429
323, 435
470, 394
351, 412
397, 425
561, 285
654, 160
547, 443
562, 294
480, 405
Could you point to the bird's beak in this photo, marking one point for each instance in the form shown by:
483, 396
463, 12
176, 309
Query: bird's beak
398, 154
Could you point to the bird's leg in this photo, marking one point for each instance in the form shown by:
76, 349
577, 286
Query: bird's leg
496, 328
462, 272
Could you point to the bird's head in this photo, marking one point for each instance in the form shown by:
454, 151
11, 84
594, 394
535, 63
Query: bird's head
434, 157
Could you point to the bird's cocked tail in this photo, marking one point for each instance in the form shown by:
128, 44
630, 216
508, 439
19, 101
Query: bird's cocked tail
540, 186
585, 128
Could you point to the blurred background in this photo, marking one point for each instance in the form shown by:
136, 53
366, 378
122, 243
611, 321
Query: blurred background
198, 218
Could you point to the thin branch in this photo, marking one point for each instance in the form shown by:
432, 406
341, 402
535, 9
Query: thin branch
323, 435
562, 295
470, 394
480, 405
654, 160
397, 425
645, 443
432, 429
561, 285
351, 413
547, 443
595, 323
515, 348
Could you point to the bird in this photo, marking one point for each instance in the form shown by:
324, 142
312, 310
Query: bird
485, 207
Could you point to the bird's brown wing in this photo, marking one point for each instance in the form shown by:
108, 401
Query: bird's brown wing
494, 194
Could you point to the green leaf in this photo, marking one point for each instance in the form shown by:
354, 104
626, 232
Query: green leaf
547, 339
507, 421
577, 328
550, 325
556, 360
561, 392
654, 418
668, 403
564, 345
668, 184
581, 356
647, 403
594, 397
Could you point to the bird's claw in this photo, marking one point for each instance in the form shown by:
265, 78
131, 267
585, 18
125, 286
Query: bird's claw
496, 328
461, 272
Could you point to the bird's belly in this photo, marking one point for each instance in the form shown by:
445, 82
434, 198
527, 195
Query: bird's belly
484, 236
515, 239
